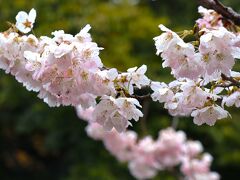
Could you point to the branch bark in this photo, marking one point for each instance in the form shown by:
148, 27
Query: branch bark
232, 81
226, 12
143, 120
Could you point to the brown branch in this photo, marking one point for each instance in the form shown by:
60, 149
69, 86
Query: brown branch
143, 120
232, 81
141, 97
226, 12
175, 122
227, 82
142, 94
226, 85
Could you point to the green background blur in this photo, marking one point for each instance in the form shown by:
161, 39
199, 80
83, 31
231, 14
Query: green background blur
38, 142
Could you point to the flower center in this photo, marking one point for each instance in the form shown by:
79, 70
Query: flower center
27, 24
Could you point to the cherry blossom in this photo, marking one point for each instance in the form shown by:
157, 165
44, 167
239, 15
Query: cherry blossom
137, 77
25, 21
111, 112
146, 156
141, 171
161, 92
121, 145
170, 147
209, 115
193, 148
95, 131
194, 95
198, 168
178, 55
218, 52
210, 19
167, 39
232, 99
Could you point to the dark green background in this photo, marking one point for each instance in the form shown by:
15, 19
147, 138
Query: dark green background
38, 142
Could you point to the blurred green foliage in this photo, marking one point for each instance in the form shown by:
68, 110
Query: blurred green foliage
38, 142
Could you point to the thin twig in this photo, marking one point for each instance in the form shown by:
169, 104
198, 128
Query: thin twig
175, 122
226, 85
143, 120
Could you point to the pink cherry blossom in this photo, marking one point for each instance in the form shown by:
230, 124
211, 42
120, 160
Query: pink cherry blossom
95, 131
194, 96
111, 112
67, 70
178, 55
193, 148
141, 170
199, 168
210, 19
170, 147
218, 52
83, 35
120, 145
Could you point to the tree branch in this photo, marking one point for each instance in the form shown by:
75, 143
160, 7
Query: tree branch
226, 12
175, 122
143, 120
232, 81
141, 97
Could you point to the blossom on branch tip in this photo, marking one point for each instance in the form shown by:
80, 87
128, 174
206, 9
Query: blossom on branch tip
178, 55
24, 21
211, 19
167, 39
84, 35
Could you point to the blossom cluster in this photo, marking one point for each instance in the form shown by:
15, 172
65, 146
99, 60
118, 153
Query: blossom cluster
67, 70
185, 97
146, 156
202, 68
209, 19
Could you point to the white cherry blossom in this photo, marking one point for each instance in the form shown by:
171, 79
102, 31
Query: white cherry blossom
232, 99
137, 76
167, 39
161, 92
209, 115
24, 21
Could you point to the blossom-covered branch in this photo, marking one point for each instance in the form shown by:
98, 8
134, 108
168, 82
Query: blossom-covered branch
67, 70
146, 156
226, 12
